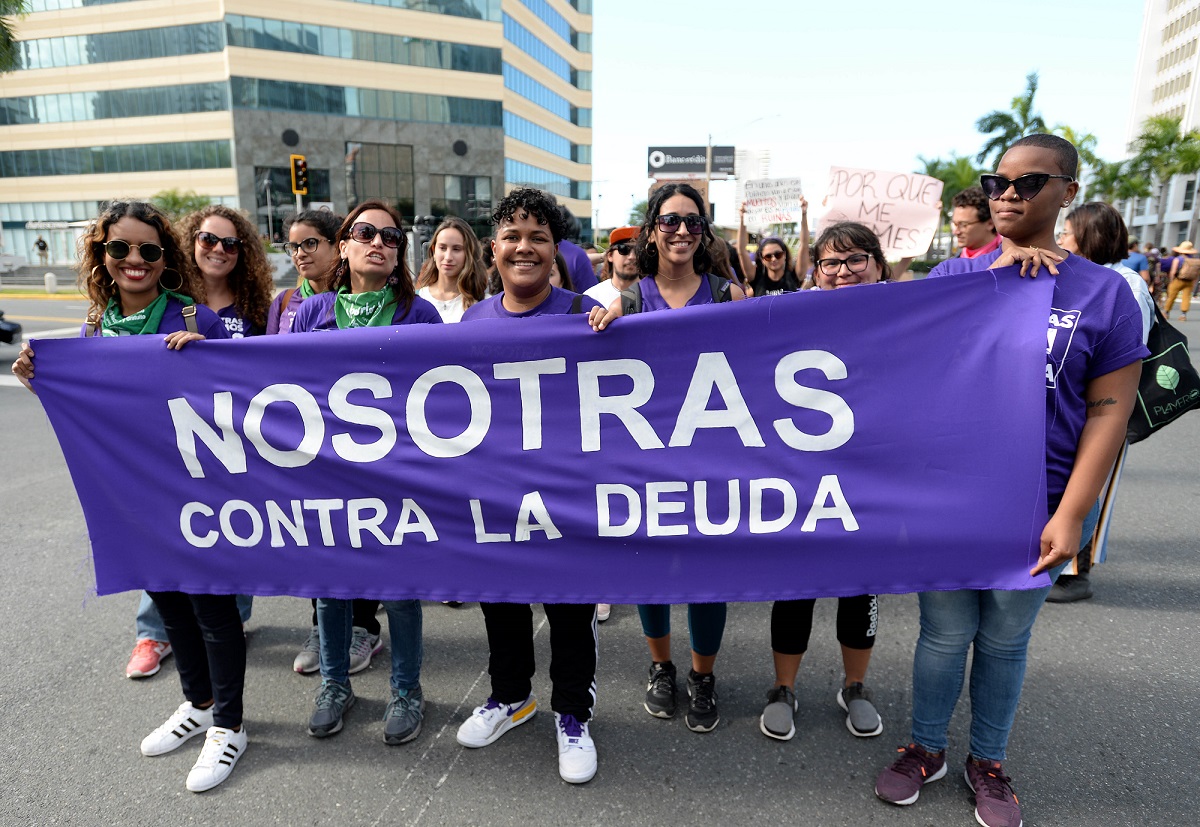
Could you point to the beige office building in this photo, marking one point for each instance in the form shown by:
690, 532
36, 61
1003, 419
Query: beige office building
438, 106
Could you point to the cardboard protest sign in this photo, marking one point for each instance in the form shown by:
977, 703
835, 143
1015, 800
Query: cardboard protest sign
902, 208
772, 201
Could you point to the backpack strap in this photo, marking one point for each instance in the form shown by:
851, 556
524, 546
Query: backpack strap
189, 318
719, 287
92, 325
287, 298
631, 301
576, 304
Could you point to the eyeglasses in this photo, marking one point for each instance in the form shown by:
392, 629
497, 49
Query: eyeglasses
229, 244
624, 247
771, 256
669, 223
118, 250
363, 233
1027, 186
855, 264
308, 245
962, 225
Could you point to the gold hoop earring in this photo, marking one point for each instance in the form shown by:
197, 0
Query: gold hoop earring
101, 267
178, 275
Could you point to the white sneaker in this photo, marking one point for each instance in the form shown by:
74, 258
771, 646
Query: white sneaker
222, 749
488, 722
603, 611
185, 723
576, 750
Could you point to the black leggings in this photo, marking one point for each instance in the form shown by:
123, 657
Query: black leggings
791, 623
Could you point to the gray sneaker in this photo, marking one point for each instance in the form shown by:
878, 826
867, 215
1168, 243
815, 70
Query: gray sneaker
309, 659
333, 701
861, 718
363, 646
402, 720
778, 717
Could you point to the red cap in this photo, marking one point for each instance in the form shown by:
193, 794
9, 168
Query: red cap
623, 234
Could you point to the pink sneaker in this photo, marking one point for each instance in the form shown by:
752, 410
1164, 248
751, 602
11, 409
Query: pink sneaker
147, 658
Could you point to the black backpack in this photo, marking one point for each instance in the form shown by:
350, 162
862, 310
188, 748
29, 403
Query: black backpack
631, 299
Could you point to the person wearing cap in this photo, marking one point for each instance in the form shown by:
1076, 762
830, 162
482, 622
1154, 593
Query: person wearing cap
1184, 270
620, 267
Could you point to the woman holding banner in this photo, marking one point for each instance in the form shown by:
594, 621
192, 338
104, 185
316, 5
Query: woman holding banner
672, 247
124, 256
369, 286
1091, 383
846, 254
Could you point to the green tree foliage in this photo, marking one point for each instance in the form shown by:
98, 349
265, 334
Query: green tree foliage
638, 213
956, 174
1161, 151
1004, 127
10, 10
177, 204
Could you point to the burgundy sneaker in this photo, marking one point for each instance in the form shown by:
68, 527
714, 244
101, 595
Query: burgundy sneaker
901, 783
996, 804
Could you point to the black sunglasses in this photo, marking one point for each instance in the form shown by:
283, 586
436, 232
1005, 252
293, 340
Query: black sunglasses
207, 240
669, 223
1027, 186
623, 247
118, 250
771, 256
308, 245
363, 233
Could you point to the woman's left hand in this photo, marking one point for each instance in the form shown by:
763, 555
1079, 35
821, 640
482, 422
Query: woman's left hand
176, 340
600, 317
1031, 259
1060, 542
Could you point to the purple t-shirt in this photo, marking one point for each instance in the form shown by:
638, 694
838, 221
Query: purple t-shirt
558, 302
280, 318
1095, 328
238, 325
583, 275
208, 323
653, 300
317, 314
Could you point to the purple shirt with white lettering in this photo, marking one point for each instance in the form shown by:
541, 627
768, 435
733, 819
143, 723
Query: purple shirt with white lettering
558, 302
317, 314
238, 325
280, 318
1095, 328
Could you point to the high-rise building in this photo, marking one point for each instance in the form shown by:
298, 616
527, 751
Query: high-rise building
438, 106
1167, 82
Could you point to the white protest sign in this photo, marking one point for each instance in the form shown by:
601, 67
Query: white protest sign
901, 207
772, 200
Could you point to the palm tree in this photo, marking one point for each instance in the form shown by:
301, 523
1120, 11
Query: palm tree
1085, 145
1115, 181
176, 203
1161, 152
1005, 127
9, 54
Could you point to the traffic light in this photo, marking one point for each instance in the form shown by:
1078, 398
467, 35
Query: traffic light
299, 175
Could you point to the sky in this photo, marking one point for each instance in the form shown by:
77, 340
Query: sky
856, 84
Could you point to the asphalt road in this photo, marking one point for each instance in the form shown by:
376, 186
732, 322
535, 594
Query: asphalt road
1106, 733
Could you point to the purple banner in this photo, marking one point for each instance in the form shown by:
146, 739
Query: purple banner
876, 439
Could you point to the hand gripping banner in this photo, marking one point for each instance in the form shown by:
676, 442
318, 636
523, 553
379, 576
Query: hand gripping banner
885, 438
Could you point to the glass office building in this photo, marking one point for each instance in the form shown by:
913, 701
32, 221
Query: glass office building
438, 106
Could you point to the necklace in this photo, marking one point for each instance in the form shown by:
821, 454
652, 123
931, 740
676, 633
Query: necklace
677, 278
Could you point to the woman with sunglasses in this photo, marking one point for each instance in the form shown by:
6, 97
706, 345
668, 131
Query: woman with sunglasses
310, 243
671, 248
846, 254
771, 272
228, 256
453, 277
132, 271
369, 286
1093, 362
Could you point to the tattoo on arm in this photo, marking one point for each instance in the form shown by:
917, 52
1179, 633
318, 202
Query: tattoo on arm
1101, 403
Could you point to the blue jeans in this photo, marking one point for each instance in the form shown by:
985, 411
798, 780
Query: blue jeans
335, 622
149, 624
998, 623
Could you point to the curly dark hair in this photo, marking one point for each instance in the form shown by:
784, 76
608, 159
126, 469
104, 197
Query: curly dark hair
647, 252
973, 197
251, 280
94, 279
540, 205
845, 236
400, 282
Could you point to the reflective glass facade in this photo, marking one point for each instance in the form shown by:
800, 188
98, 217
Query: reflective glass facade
79, 50
474, 9
532, 45
115, 103
124, 158
255, 93
525, 86
523, 175
56, 5
381, 171
307, 39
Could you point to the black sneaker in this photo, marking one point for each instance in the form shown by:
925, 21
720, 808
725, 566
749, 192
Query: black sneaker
702, 713
333, 700
660, 690
1070, 588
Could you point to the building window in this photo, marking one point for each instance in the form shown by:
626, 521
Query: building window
383, 171
467, 196
521, 174
109, 47
1189, 194
532, 45
472, 9
1181, 233
115, 103
123, 158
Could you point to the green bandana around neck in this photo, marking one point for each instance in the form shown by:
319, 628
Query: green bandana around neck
373, 308
144, 321
306, 289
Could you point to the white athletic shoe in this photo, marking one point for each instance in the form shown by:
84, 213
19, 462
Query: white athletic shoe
222, 749
488, 722
185, 723
576, 750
